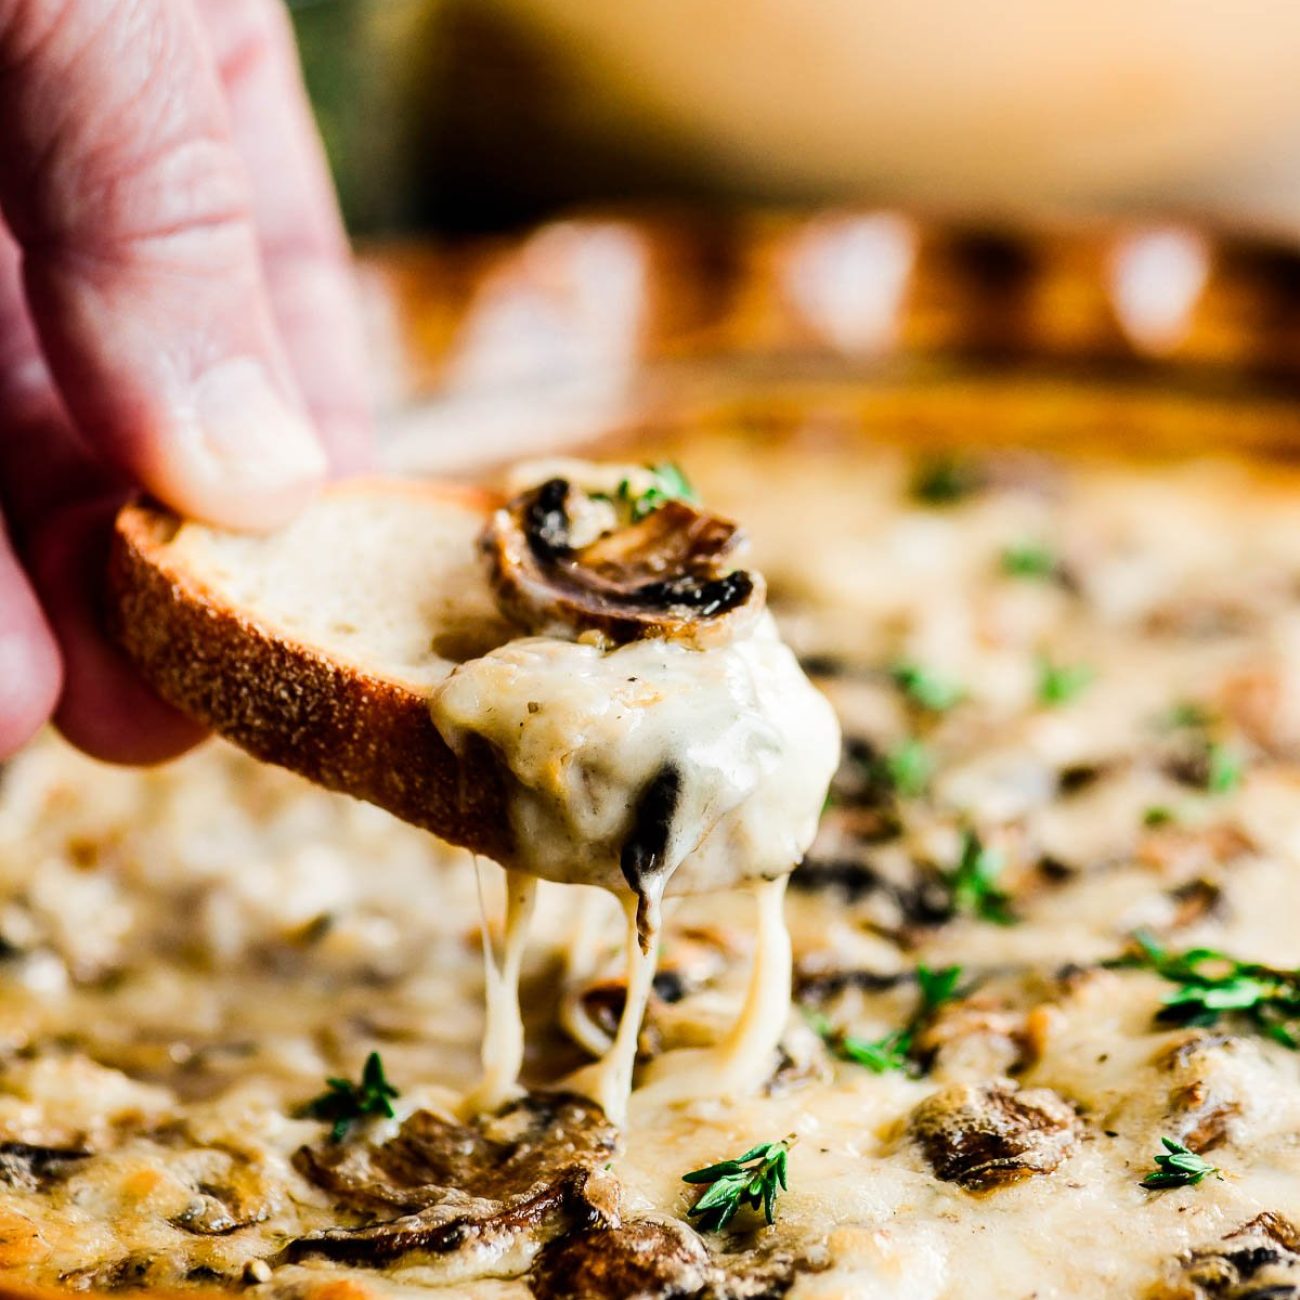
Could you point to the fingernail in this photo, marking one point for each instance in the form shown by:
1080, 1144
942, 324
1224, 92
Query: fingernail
255, 460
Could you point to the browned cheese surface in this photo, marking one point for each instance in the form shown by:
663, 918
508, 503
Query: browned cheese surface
186, 953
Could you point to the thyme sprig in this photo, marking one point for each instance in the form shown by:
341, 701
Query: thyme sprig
1178, 1167
926, 689
973, 882
1061, 683
1211, 984
344, 1102
1029, 560
754, 1179
944, 480
894, 1051
668, 483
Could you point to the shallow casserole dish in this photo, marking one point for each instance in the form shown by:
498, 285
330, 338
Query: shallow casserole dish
1027, 506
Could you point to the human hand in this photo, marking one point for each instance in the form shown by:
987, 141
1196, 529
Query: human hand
175, 315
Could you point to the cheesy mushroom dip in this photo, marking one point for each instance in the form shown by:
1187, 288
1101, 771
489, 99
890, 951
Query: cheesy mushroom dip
1044, 944
670, 744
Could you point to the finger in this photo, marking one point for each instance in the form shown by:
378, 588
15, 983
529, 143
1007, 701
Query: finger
60, 501
30, 674
105, 708
304, 249
120, 181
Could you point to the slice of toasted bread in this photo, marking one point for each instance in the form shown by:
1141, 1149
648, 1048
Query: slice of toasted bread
315, 647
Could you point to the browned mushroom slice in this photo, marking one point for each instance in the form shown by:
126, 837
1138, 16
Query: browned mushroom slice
988, 1135
643, 1257
1259, 1261
660, 1259
500, 1187
668, 574
28, 1168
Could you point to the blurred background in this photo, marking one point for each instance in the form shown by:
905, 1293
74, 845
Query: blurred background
465, 116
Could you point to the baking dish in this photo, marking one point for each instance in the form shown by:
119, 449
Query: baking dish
1158, 341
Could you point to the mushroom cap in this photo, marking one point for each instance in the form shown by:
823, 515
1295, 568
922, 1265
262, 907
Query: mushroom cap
669, 574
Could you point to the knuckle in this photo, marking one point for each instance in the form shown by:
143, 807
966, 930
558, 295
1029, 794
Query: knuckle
180, 188
245, 34
125, 139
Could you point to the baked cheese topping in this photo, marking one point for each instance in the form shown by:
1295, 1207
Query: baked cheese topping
713, 763
648, 768
1070, 698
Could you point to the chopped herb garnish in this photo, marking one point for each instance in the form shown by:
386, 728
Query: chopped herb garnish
1060, 683
344, 1101
1187, 713
908, 767
925, 689
1028, 560
1157, 815
668, 483
873, 778
973, 882
1214, 765
1223, 768
944, 480
880, 1055
1178, 1167
1212, 984
893, 1051
754, 1179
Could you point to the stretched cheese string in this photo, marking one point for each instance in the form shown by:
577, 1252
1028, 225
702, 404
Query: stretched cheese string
503, 1029
738, 1063
608, 1082
741, 1061
584, 946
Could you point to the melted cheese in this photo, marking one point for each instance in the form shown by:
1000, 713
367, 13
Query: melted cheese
503, 1025
742, 1060
584, 732
190, 950
608, 1081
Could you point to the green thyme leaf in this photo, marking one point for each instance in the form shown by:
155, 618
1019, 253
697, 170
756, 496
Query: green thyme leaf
937, 986
668, 483
1060, 683
1029, 560
945, 480
925, 689
892, 1052
1211, 984
753, 1179
1223, 768
344, 1102
882, 1055
1176, 1166
1187, 713
909, 767
972, 882
1157, 815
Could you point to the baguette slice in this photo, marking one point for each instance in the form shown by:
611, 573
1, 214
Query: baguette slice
315, 647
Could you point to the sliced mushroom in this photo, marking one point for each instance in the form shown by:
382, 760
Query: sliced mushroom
668, 574
650, 1258
660, 1259
977, 1036
1259, 1261
1208, 1096
503, 1185
512, 1230
988, 1135
28, 1168
590, 1009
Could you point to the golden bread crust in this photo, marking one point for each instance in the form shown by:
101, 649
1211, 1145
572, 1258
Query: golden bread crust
286, 702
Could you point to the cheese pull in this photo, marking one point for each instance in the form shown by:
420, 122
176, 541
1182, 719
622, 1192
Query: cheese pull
659, 740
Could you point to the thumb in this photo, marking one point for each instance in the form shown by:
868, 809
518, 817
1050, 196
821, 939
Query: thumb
120, 182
